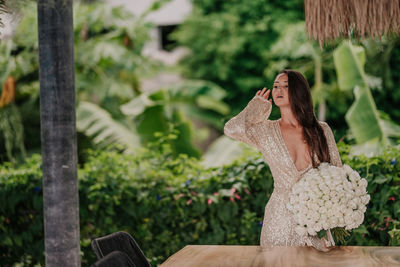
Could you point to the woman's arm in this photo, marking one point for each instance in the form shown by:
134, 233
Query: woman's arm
241, 127
333, 150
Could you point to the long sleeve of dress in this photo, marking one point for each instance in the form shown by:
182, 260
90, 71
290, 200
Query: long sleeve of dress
241, 127
333, 150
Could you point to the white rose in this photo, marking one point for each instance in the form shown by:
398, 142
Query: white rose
358, 215
347, 186
333, 221
363, 182
289, 207
328, 204
347, 168
317, 227
311, 231
348, 219
349, 195
325, 225
365, 199
322, 210
323, 217
360, 191
302, 220
330, 213
352, 204
348, 212
315, 207
335, 209
353, 177
363, 209
336, 182
301, 230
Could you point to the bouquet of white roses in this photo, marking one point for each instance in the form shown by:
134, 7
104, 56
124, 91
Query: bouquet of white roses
329, 198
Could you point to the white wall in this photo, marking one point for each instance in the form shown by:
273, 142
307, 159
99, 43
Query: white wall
173, 12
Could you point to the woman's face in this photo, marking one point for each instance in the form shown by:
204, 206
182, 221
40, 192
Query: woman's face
280, 90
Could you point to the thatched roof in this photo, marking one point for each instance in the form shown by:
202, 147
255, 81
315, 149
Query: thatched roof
330, 19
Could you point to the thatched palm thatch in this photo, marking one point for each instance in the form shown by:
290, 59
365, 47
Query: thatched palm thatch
330, 19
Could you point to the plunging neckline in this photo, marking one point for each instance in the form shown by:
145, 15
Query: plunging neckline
287, 150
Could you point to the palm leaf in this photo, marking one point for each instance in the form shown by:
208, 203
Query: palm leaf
97, 123
223, 151
3, 10
371, 130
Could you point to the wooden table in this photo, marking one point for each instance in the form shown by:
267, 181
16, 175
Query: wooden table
246, 256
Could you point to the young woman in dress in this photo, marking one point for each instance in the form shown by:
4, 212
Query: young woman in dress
291, 145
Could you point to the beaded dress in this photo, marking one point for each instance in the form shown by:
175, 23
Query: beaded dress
253, 127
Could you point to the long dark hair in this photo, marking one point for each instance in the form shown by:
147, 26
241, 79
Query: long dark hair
302, 108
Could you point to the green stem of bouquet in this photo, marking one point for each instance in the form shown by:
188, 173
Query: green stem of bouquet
339, 234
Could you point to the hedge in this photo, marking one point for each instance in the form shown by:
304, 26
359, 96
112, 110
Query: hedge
167, 203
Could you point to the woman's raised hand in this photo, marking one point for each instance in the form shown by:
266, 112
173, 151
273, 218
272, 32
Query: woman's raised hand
264, 93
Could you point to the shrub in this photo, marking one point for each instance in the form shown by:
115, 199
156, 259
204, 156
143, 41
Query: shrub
167, 203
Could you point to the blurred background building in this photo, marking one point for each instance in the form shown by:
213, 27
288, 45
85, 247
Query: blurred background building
165, 20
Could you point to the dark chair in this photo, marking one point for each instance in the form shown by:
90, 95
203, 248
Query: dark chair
120, 241
115, 259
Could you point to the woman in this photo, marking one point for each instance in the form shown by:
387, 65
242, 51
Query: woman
290, 145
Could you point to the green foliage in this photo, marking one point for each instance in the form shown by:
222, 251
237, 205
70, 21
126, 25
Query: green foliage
370, 129
98, 123
11, 129
190, 98
21, 212
108, 44
167, 202
382, 60
227, 40
108, 63
242, 45
321, 233
199, 99
381, 222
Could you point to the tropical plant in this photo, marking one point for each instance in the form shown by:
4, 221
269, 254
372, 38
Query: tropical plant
125, 114
227, 40
108, 62
11, 125
382, 60
3, 10
149, 112
372, 129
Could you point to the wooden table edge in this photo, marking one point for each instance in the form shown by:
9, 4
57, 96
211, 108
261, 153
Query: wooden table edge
183, 250
176, 253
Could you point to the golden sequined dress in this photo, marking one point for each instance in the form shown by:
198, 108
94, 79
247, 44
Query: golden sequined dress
253, 127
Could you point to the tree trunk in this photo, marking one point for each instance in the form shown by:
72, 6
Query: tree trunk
58, 133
